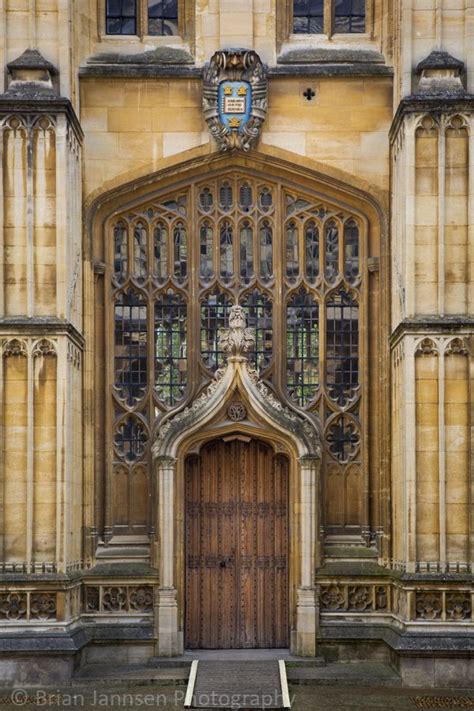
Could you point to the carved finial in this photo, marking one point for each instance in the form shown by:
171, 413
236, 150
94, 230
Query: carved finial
237, 340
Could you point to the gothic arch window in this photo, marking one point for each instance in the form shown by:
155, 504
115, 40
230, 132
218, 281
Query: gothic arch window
296, 264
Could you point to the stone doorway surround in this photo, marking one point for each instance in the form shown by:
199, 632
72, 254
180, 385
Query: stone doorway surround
289, 432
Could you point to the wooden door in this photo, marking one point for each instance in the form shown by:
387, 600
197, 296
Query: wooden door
236, 547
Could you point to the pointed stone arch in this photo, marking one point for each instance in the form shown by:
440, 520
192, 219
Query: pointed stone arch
208, 417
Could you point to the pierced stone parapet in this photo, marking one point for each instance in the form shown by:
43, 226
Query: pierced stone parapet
118, 598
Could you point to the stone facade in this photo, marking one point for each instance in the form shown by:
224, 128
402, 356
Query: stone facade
379, 124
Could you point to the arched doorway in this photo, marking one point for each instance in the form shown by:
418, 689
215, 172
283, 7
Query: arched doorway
236, 538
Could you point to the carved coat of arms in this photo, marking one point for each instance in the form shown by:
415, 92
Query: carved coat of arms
235, 98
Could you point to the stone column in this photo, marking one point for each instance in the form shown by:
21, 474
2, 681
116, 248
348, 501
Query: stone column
169, 641
306, 603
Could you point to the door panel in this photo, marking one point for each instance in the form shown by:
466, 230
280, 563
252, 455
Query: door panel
236, 547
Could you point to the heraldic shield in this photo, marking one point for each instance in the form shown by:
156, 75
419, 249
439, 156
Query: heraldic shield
235, 98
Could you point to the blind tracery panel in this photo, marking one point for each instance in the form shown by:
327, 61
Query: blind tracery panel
292, 262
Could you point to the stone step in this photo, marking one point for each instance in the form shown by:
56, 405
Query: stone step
237, 685
345, 674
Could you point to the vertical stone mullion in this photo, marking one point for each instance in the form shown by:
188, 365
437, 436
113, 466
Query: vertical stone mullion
441, 214
30, 459
62, 210
409, 190
2, 216
61, 404
471, 219
409, 476
2, 452
30, 250
442, 459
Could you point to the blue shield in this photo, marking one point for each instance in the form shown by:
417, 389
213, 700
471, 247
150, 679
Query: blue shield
235, 102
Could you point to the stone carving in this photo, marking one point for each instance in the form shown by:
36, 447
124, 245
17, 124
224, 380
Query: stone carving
242, 72
426, 347
141, 598
119, 598
236, 341
360, 598
457, 346
236, 411
15, 347
114, 599
381, 597
43, 606
458, 606
428, 605
13, 606
43, 348
332, 598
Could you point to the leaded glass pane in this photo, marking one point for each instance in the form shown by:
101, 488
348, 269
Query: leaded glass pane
246, 252
214, 316
292, 259
170, 347
266, 250
226, 196
259, 312
162, 17
311, 238
331, 270
160, 242
226, 241
121, 17
130, 439
120, 251
302, 347
139, 251
265, 200
130, 350
206, 239
180, 252
308, 16
206, 200
245, 197
342, 346
349, 16
351, 251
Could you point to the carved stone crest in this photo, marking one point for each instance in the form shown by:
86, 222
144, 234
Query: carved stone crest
235, 98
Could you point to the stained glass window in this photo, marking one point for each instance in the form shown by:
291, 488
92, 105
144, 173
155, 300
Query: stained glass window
266, 250
214, 316
342, 346
121, 17
130, 351
308, 17
226, 239
162, 17
206, 240
180, 252
331, 270
302, 347
160, 241
349, 16
351, 251
311, 237
170, 347
140, 251
120, 251
259, 311
246, 251
292, 252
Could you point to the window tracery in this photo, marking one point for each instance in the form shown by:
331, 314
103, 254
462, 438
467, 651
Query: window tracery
294, 263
